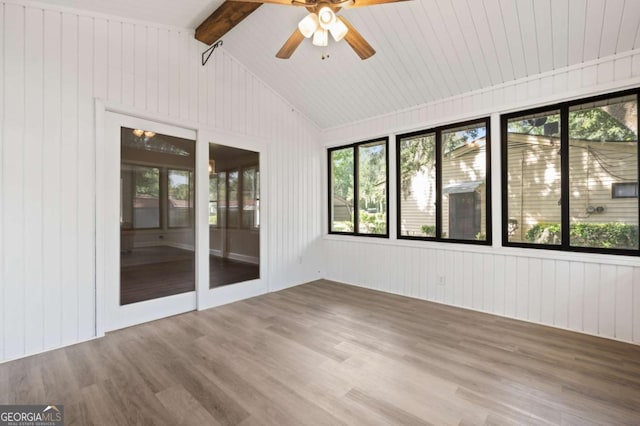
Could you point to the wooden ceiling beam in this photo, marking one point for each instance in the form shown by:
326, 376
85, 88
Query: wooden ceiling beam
223, 20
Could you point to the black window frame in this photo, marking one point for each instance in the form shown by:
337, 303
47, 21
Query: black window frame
437, 131
356, 211
563, 108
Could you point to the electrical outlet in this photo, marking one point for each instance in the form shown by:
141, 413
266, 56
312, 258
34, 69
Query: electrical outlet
441, 280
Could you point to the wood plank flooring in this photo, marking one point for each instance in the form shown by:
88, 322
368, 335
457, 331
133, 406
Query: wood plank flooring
331, 354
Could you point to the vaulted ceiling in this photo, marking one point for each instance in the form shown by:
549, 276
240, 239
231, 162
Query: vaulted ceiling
426, 49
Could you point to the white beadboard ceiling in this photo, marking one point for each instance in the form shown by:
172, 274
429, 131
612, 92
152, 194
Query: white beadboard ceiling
426, 49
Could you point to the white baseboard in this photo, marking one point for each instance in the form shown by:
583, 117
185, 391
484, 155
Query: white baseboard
244, 258
236, 256
161, 243
180, 246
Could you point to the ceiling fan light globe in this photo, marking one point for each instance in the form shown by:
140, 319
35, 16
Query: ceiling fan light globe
326, 17
308, 25
338, 30
320, 38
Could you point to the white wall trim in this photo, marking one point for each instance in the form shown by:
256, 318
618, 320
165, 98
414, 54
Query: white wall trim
226, 294
100, 314
151, 310
244, 258
236, 256
529, 253
182, 246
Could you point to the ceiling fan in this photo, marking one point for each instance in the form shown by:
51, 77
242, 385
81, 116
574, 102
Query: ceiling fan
318, 24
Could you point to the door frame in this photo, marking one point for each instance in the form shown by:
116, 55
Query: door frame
210, 297
204, 298
117, 315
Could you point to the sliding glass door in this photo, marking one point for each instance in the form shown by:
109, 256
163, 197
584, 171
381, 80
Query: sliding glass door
234, 215
157, 256
151, 188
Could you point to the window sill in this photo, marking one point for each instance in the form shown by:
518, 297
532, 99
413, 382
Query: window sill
495, 249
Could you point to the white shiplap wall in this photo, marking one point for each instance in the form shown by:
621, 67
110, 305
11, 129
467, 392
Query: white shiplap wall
590, 296
594, 294
53, 63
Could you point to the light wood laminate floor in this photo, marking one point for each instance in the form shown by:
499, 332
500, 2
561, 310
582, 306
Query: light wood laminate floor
330, 354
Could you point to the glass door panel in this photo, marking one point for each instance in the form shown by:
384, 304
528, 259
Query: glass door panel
157, 232
234, 215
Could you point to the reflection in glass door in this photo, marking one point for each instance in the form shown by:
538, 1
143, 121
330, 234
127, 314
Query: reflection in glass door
157, 229
234, 215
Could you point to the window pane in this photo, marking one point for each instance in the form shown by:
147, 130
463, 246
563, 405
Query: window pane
222, 199
372, 188
464, 189
180, 198
213, 199
140, 197
603, 147
233, 219
624, 190
249, 197
342, 190
418, 186
533, 179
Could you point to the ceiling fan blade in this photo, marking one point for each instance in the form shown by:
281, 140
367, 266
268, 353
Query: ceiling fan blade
282, 2
290, 45
357, 42
362, 3
223, 19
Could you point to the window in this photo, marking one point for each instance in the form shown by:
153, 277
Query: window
443, 183
417, 181
222, 199
213, 199
341, 205
233, 201
140, 197
624, 190
533, 167
250, 198
570, 176
358, 182
180, 200
227, 201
